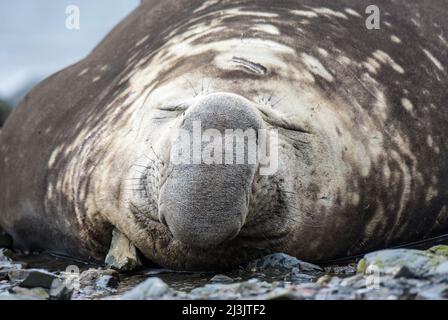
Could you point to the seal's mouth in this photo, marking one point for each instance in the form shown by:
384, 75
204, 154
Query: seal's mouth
161, 247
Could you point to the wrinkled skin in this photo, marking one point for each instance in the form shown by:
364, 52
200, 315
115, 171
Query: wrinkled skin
360, 116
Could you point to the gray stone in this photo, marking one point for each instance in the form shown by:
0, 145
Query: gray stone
390, 262
107, 282
61, 290
31, 294
437, 292
32, 278
298, 276
283, 261
122, 255
4, 275
100, 279
150, 289
441, 269
355, 282
5, 261
338, 270
221, 278
324, 280
405, 272
250, 289
5, 296
440, 250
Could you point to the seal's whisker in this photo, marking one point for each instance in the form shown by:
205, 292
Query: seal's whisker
151, 160
194, 90
208, 87
278, 101
139, 165
157, 156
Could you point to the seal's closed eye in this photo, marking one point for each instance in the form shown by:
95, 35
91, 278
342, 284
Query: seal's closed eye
177, 107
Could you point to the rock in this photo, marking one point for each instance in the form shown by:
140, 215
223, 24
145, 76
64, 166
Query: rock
150, 289
122, 255
3, 275
437, 292
282, 261
338, 270
7, 296
324, 280
31, 294
441, 250
298, 276
5, 240
251, 289
281, 294
221, 278
17, 275
61, 290
355, 282
5, 260
392, 262
96, 283
405, 272
441, 269
107, 282
32, 278
100, 279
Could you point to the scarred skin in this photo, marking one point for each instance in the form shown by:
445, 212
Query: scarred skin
360, 115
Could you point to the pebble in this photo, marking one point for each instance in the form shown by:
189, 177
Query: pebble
150, 289
107, 282
32, 278
99, 277
61, 290
221, 278
282, 261
437, 292
407, 262
30, 294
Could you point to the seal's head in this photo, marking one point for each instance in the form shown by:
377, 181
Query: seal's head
220, 171
196, 194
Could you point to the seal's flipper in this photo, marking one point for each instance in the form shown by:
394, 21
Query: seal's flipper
122, 255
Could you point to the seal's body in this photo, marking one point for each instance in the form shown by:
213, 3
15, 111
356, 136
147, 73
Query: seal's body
360, 116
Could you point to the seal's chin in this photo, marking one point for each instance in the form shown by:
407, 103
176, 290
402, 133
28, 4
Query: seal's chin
162, 248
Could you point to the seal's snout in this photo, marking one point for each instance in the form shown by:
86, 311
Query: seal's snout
204, 203
197, 230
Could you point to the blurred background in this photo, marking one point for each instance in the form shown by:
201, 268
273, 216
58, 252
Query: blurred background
35, 42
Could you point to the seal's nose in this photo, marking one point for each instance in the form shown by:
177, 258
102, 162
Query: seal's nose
197, 230
205, 204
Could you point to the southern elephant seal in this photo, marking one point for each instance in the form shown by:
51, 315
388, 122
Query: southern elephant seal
361, 148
